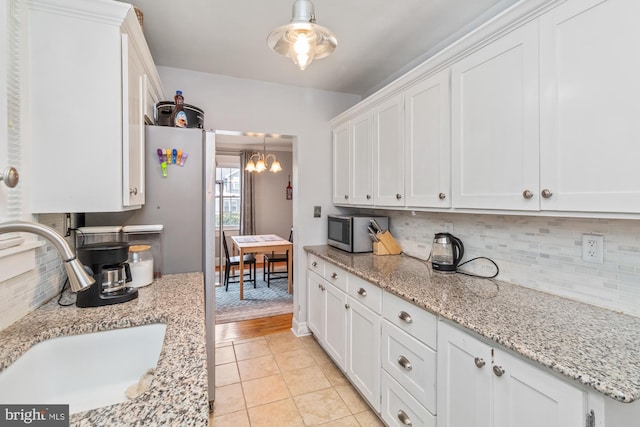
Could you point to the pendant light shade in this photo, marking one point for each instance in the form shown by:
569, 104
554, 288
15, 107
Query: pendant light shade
302, 39
261, 162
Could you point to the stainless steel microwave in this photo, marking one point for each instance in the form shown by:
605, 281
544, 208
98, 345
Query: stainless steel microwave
350, 233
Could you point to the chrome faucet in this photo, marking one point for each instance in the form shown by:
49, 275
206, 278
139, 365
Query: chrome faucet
79, 280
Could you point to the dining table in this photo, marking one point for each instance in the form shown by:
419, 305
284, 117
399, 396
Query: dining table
261, 243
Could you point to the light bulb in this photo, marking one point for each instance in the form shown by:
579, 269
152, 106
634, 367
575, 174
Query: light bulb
275, 166
250, 166
302, 51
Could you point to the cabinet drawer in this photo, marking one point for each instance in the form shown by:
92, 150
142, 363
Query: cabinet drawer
411, 363
365, 293
315, 264
336, 276
410, 318
400, 409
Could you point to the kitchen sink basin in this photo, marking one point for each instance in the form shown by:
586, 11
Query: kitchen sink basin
86, 371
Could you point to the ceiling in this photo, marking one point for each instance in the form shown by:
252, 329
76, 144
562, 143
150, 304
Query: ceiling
378, 40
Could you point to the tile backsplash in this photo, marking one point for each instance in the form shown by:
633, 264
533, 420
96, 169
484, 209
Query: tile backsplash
26, 292
538, 252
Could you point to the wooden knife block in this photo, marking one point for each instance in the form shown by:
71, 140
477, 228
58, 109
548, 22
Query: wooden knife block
386, 245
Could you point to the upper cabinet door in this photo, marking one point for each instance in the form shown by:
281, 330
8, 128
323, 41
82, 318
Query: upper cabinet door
428, 143
133, 95
389, 153
590, 87
361, 160
341, 164
495, 126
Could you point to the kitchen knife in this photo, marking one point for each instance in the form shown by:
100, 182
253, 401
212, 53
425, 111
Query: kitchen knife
376, 226
373, 237
371, 230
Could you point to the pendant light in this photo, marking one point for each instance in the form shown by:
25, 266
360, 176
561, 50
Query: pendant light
302, 39
259, 165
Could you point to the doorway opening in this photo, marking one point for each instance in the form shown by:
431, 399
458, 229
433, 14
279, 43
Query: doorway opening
267, 197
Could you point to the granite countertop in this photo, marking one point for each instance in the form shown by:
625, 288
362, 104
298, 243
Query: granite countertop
594, 346
178, 394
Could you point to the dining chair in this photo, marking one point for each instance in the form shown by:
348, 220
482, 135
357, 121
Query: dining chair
234, 261
269, 272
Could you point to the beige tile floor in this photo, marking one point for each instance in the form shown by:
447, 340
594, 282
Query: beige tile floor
282, 380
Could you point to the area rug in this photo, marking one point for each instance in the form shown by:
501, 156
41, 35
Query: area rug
262, 301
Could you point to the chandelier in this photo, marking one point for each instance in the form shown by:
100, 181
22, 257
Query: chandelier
261, 162
302, 39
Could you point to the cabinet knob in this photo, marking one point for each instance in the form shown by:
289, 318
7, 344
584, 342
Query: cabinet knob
10, 176
403, 315
334, 275
347, 306
442, 196
546, 193
368, 196
498, 370
314, 264
404, 362
527, 194
479, 362
346, 197
398, 196
404, 418
133, 191
362, 292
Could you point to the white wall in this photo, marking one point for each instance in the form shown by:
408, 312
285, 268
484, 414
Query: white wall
252, 106
274, 213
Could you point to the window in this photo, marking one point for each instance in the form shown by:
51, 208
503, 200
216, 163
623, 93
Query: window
230, 196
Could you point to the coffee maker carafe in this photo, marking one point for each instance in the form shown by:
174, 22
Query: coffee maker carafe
446, 252
107, 262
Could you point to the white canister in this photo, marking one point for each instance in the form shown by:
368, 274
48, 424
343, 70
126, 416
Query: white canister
141, 265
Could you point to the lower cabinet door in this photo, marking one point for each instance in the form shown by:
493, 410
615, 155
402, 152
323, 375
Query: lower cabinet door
363, 363
527, 396
400, 409
335, 326
316, 306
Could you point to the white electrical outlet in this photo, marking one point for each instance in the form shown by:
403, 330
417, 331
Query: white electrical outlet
593, 248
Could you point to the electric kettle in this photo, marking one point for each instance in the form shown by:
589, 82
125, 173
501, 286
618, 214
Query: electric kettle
446, 252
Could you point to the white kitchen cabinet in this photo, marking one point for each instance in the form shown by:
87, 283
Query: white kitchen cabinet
590, 106
328, 317
388, 155
480, 385
495, 134
427, 162
90, 72
361, 160
352, 162
341, 164
363, 339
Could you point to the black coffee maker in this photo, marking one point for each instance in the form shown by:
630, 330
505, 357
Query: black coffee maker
107, 263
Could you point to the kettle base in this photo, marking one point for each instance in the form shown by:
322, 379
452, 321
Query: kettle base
443, 268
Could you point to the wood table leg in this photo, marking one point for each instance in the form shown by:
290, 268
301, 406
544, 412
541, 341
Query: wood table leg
241, 281
290, 269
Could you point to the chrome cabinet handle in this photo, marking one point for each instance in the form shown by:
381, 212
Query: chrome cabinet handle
498, 370
442, 196
398, 196
404, 362
404, 418
347, 306
346, 196
133, 191
546, 193
479, 362
334, 275
368, 196
403, 315
362, 292
320, 287
314, 264
527, 194
10, 176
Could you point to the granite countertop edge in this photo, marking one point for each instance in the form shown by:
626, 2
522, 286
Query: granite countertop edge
178, 394
551, 330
